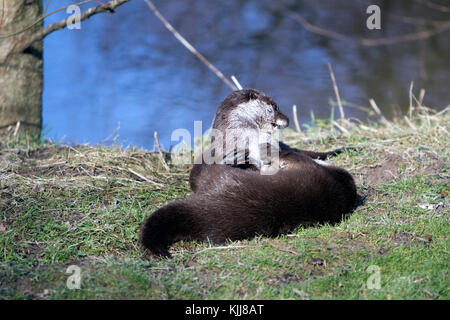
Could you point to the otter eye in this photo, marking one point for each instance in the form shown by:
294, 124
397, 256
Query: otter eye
275, 107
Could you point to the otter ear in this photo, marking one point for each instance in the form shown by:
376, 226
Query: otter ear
251, 95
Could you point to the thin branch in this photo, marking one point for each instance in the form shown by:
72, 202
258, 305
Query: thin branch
111, 5
407, 37
417, 21
3, 36
3, 12
188, 46
143, 177
46, 6
433, 5
236, 82
445, 25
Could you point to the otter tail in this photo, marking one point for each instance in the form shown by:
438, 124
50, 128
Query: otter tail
165, 226
234, 204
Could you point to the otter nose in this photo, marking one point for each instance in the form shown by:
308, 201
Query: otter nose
282, 122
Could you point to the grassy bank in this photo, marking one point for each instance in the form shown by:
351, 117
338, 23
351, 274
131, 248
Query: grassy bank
83, 205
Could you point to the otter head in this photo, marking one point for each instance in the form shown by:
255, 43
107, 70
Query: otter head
249, 108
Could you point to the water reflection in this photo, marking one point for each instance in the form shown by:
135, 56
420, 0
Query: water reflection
128, 68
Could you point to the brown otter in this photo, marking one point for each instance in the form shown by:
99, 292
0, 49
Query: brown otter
250, 114
230, 203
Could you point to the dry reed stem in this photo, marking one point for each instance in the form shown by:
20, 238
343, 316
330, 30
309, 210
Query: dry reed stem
378, 112
409, 123
411, 98
160, 155
336, 92
144, 178
16, 130
111, 135
345, 131
421, 96
294, 115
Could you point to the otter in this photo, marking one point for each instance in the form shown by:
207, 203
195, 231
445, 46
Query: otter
251, 114
244, 122
235, 201
231, 204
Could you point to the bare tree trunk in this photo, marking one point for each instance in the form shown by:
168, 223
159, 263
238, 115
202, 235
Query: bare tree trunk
21, 75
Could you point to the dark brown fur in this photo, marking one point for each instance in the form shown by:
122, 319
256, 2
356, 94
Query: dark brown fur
237, 202
233, 204
288, 158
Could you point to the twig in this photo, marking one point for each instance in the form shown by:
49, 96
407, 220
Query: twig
421, 96
63, 23
16, 130
429, 293
104, 5
352, 105
336, 92
3, 12
112, 133
378, 112
46, 6
434, 5
365, 41
443, 111
367, 128
294, 115
417, 21
144, 178
375, 107
302, 294
188, 46
80, 153
42, 17
345, 131
409, 123
411, 98
160, 155
236, 82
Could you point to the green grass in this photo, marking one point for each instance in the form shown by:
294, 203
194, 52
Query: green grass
63, 206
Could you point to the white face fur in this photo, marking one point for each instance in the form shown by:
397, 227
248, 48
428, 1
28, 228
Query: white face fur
259, 117
256, 113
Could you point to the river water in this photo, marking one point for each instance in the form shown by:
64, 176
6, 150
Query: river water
128, 68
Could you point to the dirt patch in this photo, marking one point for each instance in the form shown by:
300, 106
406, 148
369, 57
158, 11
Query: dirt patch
393, 167
382, 172
346, 241
410, 239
